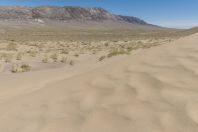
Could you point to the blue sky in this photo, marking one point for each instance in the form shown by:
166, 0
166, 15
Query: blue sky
170, 13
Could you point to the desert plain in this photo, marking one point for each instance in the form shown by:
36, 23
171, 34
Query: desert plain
98, 80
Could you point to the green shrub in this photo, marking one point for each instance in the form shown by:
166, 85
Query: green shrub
23, 68
115, 52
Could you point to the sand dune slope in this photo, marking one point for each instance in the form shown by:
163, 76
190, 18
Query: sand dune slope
155, 90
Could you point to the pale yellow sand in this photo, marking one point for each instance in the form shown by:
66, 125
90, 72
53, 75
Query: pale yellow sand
155, 90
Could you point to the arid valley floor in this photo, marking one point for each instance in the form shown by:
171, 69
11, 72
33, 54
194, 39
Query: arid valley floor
98, 80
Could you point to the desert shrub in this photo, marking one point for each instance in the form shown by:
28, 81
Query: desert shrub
2, 56
64, 51
106, 44
64, 59
76, 55
45, 59
94, 52
15, 68
129, 49
40, 47
139, 42
71, 62
19, 56
117, 51
11, 47
32, 53
102, 58
25, 68
54, 57
8, 58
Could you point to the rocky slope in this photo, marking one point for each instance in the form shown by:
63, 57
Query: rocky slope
64, 14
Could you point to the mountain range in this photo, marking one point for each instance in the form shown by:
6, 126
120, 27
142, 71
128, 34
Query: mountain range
67, 13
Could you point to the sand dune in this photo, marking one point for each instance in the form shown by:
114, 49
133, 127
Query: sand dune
154, 90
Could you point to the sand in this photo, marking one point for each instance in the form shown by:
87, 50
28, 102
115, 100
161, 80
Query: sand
154, 90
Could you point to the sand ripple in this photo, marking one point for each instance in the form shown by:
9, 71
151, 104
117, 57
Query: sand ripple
152, 91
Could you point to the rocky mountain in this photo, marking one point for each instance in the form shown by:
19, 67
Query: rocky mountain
131, 19
64, 14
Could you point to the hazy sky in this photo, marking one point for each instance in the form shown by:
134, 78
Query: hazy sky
171, 13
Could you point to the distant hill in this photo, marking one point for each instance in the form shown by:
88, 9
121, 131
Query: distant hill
64, 14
